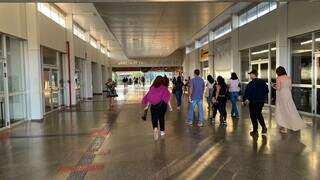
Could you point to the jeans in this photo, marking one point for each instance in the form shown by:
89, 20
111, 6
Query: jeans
178, 95
192, 105
157, 115
222, 110
256, 115
234, 98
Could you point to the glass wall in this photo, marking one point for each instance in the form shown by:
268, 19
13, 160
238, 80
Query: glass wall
305, 64
317, 68
12, 82
51, 76
263, 59
16, 85
244, 55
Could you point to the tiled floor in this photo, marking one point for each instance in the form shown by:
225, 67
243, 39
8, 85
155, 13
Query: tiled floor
92, 142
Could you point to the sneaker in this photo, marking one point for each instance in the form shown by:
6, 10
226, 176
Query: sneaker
178, 108
190, 123
162, 133
200, 124
224, 123
254, 133
155, 134
264, 131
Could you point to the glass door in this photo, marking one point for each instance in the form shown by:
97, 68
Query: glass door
47, 89
51, 89
262, 66
2, 95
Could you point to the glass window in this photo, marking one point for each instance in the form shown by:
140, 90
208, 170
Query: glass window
301, 59
225, 29
263, 8
260, 53
243, 19
273, 6
17, 108
317, 56
15, 66
51, 12
252, 14
244, 55
93, 42
49, 56
302, 98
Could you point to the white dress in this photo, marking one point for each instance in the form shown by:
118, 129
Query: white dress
286, 113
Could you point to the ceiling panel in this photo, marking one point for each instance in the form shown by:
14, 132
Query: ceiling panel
157, 29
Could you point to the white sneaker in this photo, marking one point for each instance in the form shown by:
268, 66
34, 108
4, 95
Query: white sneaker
162, 133
178, 108
155, 134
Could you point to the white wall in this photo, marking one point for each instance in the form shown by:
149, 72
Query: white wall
52, 35
222, 57
303, 17
13, 19
79, 47
260, 31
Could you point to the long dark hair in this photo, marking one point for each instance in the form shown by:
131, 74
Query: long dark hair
221, 81
165, 81
179, 80
281, 71
234, 76
157, 82
210, 79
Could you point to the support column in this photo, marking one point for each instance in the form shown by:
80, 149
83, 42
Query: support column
87, 80
70, 64
97, 78
211, 59
33, 64
235, 61
282, 36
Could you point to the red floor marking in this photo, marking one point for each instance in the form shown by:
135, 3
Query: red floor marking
91, 167
5, 136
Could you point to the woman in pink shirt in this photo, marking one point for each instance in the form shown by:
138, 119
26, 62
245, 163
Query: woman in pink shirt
158, 97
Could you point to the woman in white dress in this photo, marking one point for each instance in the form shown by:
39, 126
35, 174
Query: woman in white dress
286, 114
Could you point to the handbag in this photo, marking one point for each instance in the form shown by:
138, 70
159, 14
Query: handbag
144, 116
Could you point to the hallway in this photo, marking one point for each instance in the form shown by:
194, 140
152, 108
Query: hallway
91, 142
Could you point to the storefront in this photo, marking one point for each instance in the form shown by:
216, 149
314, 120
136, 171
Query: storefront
12, 82
263, 59
305, 73
204, 62
52, 79
78, 77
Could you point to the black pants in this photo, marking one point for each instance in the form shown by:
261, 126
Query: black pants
158, 112
222, 110
214, 110
256, 114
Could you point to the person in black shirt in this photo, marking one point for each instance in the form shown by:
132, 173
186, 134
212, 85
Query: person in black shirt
256, 92
221, 99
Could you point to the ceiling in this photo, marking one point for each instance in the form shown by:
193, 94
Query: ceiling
156, 29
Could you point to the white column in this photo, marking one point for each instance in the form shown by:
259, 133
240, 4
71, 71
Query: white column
70, 75
282, 36
235, 61
87, 79
96, 78
33, 64
211, 59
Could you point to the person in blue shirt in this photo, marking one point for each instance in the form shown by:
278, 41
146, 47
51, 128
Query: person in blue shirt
256, 92
196, 98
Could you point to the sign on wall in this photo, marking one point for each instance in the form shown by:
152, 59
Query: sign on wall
204, 55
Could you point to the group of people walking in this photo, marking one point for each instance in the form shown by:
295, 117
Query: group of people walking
217, 94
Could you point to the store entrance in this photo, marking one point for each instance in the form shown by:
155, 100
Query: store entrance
262, 66
51, 89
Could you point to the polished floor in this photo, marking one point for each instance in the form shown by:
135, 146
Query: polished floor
93, 142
